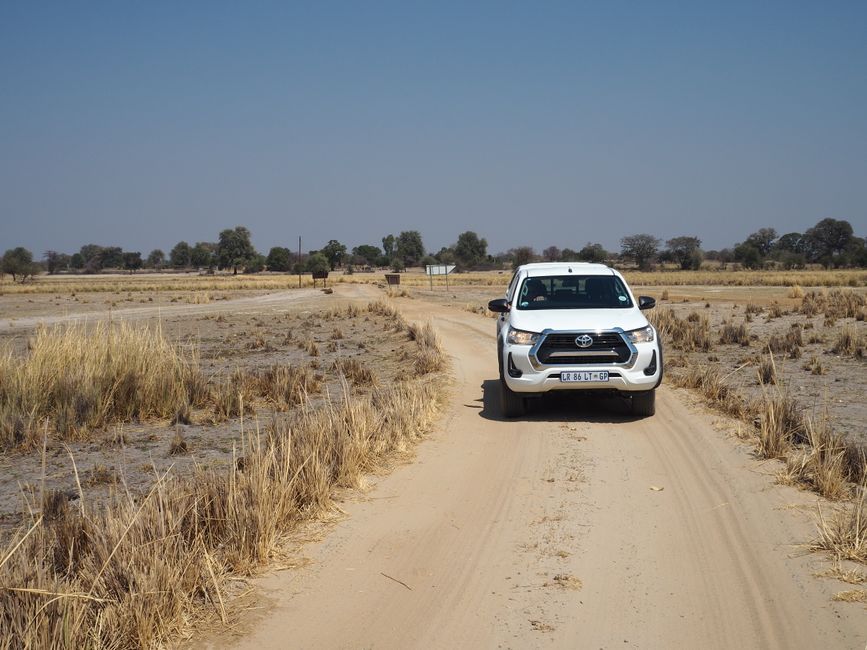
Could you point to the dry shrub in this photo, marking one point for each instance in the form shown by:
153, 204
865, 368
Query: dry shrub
821, 462
712, 385
285, 386
834, 304
788, 343
78, 378
394, 317
753, 309
136, 572
796, 291
815, 366
689, 334
355, 371
310, 347
665, 294
844, 533
480, 309
734, 334
428, 356
178, 444
774, 311
767, 370
849, 342
781, 424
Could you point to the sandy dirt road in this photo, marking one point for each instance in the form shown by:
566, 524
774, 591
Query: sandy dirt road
551, 532
547, 532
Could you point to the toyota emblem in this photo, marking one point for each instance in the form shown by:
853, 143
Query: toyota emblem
584, 341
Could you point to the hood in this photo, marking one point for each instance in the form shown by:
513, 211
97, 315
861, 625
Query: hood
577, 319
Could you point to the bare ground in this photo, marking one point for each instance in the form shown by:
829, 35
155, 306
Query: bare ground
575, 527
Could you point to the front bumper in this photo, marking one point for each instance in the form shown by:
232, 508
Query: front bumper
524, 373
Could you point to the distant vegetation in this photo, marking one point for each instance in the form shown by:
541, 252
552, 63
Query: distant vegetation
831, 243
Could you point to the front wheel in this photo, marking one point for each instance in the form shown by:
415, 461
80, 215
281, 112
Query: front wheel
512, 404
644, 403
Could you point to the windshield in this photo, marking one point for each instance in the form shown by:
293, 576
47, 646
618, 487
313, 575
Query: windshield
573, 292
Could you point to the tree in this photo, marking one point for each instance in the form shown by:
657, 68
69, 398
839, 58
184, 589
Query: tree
234, 249
334, 251
685, 251
255, 264
640, 248
279, 259
156, 258
551, 254
522, 255
470, 250
827, 239
76, 261
56, 262
91, 256
762, 240
792, 242
388, 246
368, 252
111, 258
569, 255
179, 256
317, 263
409, 247
202, 255
446, 255
592, 253
748, 255
18, 262
132, 261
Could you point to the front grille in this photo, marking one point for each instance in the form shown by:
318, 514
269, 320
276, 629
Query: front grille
561, 349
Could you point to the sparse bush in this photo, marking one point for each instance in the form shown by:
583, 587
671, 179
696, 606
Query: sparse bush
355, 371
849, 342
690, 334
767, 370
74, 379
734, 334
845, 533
78, 577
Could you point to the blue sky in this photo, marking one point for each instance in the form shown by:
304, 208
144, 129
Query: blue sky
141, 124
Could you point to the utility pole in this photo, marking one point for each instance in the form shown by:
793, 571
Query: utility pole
299, 261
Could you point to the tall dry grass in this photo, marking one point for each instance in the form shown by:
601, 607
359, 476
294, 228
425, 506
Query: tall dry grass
136, 572
688, 334
74, 378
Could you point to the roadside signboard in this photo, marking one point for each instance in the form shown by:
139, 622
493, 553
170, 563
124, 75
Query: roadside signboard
439, 269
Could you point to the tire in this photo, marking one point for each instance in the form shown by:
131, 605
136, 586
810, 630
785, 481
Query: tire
512, 405
644, 403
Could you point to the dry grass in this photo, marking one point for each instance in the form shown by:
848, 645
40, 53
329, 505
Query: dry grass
834, 304
844, 532
480, 309
849, 342
711, 384
690, 334
734, 334
74, 379
136, 572
788, 343
820, 463
355, 371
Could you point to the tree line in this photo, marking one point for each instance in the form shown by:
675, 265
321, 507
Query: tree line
831, 243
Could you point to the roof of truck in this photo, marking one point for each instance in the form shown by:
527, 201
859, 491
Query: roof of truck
541, 269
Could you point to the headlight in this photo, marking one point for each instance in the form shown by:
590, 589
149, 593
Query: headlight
642, 335
520, 337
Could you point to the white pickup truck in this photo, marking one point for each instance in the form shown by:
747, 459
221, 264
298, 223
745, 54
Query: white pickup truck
577, 327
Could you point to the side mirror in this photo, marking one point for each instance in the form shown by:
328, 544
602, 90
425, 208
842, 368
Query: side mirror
646, 302
499, 306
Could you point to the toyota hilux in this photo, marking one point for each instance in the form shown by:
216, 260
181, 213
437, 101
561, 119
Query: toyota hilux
575, 327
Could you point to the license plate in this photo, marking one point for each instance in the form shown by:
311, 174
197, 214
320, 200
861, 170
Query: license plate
584, 375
